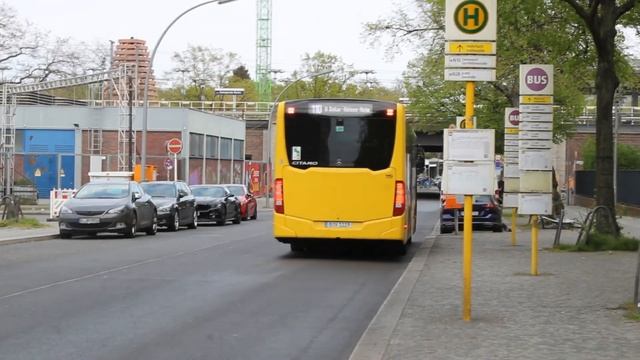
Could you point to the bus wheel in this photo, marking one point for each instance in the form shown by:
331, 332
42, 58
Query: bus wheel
400, 248
296, 247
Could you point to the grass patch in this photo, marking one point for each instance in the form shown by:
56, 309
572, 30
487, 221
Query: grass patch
631, 312
24, 223
603, 242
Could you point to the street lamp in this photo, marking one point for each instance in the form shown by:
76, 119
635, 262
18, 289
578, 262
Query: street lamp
271, 119
145, 105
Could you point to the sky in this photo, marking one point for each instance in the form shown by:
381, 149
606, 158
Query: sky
298, 27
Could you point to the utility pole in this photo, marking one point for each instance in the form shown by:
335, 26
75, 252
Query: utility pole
130, 167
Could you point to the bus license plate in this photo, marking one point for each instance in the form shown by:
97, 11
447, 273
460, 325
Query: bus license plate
337, 224
89, 220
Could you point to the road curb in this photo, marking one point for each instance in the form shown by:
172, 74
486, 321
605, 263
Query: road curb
375, 339
28, 239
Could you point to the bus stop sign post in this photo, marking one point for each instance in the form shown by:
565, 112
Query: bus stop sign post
467, 231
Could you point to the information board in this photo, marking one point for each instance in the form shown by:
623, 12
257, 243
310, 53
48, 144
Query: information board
469, 144
456, 178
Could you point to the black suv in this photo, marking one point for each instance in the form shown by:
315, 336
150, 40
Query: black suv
175, 202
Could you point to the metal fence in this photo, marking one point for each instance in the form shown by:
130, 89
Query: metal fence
626, 185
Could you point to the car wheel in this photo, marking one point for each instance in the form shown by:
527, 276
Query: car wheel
238, 217
131, 230
445, 230
223, 218
194, 222
497, 228
255, 213
65, 235
175, 224
153, 229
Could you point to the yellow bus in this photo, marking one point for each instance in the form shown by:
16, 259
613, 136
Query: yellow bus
343, 170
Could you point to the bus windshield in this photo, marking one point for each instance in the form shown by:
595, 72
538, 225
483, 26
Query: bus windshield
343, 138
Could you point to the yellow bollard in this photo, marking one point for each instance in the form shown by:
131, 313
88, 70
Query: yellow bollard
514, 225
534, 245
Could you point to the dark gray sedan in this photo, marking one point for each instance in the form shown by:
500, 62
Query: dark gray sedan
215, 203
175, 203
108, 206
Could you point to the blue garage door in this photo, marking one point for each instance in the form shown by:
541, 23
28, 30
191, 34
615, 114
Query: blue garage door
41, 149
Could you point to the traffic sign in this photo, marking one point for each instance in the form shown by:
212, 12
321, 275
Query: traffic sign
511, 117
467, 47
536, 117
535, 108
469, 61
470, 20
168, 164
174, 146
536, 99
536, 79
469, 74
229, 91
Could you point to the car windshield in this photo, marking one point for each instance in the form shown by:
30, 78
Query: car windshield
103, 191
208, 191
159, 190
237, 190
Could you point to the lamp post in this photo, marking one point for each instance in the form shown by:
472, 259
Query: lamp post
145, 103
271, 116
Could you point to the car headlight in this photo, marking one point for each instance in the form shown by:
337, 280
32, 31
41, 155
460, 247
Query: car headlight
65, 210
118, 210
165, 209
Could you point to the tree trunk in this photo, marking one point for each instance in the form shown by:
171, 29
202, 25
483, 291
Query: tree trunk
606, 84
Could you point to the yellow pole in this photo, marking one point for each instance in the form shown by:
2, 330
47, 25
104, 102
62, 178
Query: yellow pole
467, 248
514, 224
467, 252
534, 245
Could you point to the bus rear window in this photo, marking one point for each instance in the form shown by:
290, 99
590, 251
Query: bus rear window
364, 141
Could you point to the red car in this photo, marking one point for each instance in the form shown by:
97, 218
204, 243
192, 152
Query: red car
248, 204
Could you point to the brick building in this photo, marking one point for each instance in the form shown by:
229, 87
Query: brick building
56, 146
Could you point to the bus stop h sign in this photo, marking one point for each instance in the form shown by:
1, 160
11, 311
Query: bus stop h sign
470, 20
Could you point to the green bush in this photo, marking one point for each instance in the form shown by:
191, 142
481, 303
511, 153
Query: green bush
628, 156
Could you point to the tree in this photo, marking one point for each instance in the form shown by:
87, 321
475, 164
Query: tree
202, 68
29, 55
601, 18
523, 38
343, 82
241, 72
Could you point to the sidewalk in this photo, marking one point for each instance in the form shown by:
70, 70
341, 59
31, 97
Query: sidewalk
569, 311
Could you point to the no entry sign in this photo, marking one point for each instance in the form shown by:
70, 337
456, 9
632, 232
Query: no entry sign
174, 146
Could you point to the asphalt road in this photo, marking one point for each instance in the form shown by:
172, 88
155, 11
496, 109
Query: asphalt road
229, 292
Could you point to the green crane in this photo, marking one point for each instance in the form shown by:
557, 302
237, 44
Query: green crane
263, 51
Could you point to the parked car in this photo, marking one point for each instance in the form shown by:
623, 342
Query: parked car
108, 206
487, 214
215, 203
175, 202
248, 203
